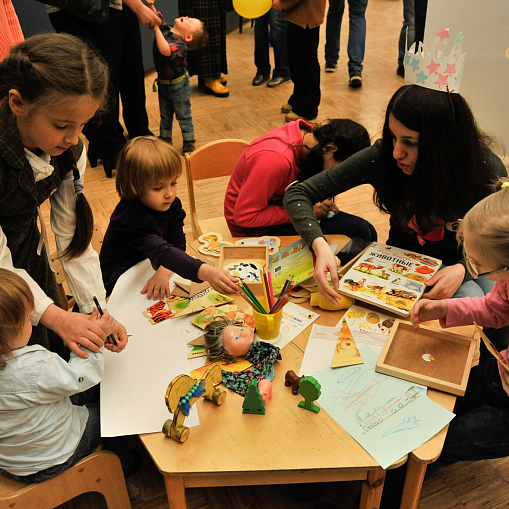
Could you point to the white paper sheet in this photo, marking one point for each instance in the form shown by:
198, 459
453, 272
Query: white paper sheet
319, 350
135, 381
295, 320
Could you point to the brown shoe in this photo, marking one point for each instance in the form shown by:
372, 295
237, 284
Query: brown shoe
291, 116
286, 108
167, 140
188, 147
214, 87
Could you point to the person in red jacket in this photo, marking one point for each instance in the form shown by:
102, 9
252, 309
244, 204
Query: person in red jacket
253, 203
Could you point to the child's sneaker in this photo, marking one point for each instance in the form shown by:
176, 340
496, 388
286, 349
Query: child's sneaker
188, 147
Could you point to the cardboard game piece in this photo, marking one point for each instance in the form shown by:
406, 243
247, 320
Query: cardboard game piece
212, 243
431, 357
273, 243
197, 351
346, 352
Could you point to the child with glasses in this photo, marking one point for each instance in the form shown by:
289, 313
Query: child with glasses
480, 429
484, 233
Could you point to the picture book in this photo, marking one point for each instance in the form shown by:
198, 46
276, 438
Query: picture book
389, 277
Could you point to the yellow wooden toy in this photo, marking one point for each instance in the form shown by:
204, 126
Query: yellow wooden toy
183, 393
317, 299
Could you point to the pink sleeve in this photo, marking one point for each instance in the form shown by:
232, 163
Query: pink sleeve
492, 310
10, 29
265, 173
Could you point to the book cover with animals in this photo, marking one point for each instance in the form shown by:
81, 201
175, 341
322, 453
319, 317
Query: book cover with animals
389, 277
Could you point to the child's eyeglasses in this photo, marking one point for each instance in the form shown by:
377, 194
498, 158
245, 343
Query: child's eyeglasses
474, 272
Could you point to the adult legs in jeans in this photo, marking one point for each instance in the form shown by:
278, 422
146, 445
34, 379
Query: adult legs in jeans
304, 69
356, 35
176, 98
278, 42
89, 441
408, 22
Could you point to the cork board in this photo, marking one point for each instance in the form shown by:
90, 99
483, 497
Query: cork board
432, 357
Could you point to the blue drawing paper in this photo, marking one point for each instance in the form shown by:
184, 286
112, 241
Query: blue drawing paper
387, 416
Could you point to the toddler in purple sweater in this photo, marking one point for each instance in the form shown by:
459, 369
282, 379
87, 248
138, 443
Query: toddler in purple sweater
148, 222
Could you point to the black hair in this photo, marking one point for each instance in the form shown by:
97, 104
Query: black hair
348, 135
450, 175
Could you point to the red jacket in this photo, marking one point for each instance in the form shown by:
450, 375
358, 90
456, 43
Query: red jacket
254, 197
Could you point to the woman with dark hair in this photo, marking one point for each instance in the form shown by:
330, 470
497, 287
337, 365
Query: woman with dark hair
430, 167
253, 203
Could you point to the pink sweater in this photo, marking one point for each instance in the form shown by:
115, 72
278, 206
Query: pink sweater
492, 310
10, 30
254, 197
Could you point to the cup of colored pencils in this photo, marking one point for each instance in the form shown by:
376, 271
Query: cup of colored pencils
267, 310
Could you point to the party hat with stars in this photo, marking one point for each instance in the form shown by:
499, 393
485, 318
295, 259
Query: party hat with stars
440, 68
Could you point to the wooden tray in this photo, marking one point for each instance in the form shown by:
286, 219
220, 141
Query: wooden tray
405, 351
260, 254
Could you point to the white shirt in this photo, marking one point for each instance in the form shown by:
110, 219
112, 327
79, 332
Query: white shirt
39, 426
83, 274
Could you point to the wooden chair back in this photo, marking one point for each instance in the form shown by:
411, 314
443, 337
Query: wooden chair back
215, 159
100, 471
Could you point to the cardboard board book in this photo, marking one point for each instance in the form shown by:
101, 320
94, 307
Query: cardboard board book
389, 277
431, 357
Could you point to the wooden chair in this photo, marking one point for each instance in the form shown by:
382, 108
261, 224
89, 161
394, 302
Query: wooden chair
215, 159
100, 471
68, 301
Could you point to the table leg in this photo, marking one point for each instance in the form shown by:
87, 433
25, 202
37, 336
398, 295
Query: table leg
413, 483
372, 488
175, 491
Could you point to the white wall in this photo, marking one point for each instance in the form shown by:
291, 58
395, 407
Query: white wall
485, 84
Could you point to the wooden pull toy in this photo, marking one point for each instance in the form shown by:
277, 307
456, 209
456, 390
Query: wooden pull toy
291, 379
183, 393
309, 388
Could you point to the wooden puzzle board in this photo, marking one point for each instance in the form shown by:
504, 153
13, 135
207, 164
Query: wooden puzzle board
430, 357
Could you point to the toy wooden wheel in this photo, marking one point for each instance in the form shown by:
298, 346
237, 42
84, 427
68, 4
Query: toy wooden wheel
181, 434
166, 427
218, 397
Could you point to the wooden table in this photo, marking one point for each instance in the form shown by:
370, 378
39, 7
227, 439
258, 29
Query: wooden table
286, 445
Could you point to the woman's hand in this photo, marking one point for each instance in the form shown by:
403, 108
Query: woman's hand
75, 329
158, 286
426, 310
321, 209
110, 326
219, 279
276, 4
445, 283
326, 262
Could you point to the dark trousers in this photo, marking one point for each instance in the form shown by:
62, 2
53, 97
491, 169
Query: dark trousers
119, 42
304, 69
420, 6
479, 431
341, 224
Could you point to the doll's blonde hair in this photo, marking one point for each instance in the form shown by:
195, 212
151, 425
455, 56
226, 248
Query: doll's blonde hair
488, 222
213, 338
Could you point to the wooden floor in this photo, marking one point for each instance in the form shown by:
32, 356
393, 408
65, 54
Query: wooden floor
247, 113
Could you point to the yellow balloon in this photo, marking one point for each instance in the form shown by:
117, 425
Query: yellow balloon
252, 9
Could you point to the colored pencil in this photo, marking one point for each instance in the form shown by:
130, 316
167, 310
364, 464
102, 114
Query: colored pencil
98, 306
265, 285
252, 298
271, 289
280, 306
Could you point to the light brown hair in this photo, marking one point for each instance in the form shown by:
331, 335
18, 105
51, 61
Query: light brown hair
200, 38
16, 306
488, 223
144, 161
214, 338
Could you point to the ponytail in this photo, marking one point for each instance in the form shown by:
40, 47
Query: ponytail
84, 217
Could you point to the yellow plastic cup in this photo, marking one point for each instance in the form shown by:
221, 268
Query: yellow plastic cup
267, 326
